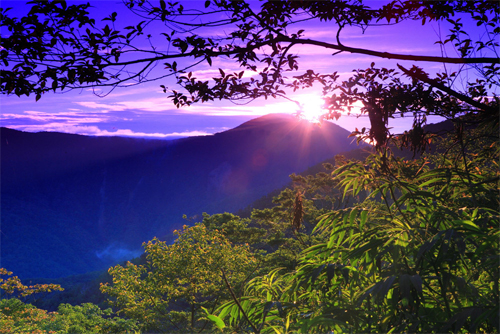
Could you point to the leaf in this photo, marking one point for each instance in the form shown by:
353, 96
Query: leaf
405, 287
267, 307
435, 180
226, 309
364, 215
345, 273
380, 289
467, 224
459, 319
330, 271
316, 273
217, 321
416, 280
352, 217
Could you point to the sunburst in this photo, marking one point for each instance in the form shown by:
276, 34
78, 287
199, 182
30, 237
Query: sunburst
311, 107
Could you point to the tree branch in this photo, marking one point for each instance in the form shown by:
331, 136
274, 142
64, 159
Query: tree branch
237, 302
440, 86
480, 60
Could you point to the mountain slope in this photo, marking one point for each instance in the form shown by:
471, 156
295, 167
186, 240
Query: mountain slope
72, 204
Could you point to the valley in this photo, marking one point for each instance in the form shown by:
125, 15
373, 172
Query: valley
73, 204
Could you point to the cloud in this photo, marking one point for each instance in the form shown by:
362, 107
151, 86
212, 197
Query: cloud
89, 122
150, 104
207, 109
130, 133
116, 253
329, 36
70, 117
103, 107
95, 131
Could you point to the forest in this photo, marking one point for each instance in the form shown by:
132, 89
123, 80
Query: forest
384, 242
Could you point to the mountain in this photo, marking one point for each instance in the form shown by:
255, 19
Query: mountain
71, 204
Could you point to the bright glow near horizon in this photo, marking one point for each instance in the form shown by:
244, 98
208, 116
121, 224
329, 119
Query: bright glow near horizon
311, 107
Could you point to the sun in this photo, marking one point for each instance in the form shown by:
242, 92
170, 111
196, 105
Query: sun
311, 107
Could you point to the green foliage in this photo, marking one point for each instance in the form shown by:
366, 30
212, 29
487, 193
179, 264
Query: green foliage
18, 317
427, 251
419, 254
264, 308
167, 293
234, 228
292, 218
89, 318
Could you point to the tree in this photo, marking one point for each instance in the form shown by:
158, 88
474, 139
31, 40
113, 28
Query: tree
169, 292
57, 46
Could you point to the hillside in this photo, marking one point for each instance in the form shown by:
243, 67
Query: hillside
73, 204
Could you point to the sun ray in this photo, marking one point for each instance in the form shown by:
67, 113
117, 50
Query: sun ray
311, 107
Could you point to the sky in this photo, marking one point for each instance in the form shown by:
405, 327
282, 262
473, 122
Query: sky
145, 111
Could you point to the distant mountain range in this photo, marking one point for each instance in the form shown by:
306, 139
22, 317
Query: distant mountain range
71, 204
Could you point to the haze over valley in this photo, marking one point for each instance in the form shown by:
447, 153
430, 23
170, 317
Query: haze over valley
73, 204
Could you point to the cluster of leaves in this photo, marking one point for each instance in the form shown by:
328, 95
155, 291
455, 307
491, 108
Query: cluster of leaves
39, 36
12, 286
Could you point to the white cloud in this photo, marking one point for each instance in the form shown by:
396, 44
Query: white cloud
150, 104
95, 131
70, 117
57, 127
130, 133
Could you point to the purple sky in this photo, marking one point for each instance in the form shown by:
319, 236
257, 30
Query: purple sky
145, 111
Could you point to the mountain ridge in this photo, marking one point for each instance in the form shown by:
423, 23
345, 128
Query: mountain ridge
73, 204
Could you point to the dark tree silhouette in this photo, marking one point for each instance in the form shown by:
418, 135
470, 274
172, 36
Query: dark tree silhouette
60, 47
